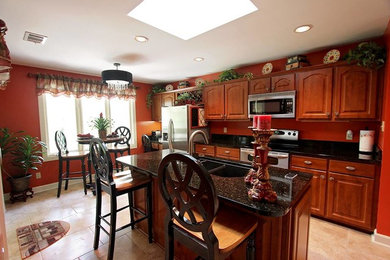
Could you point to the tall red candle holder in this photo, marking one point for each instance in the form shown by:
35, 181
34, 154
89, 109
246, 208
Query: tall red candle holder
258, 175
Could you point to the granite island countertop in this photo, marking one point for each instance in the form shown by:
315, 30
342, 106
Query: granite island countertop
233, 189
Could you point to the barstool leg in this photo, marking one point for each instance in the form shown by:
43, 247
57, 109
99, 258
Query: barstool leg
169, 246
149, 212
111, 243
131, 205
67, 174
121, 163
59, 177
116, 162
83, 174
97, 217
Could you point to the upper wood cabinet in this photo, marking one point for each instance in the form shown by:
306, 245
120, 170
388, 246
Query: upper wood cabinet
226, 101
355, 93
314, 99
168, 100
280, 83
156, 108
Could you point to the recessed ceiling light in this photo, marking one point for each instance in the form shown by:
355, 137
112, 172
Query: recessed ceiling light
171, 16
141, 38
199, 59
303, 28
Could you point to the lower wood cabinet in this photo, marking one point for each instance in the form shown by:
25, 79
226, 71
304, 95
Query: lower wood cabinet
341, 191
227, 153
204, 149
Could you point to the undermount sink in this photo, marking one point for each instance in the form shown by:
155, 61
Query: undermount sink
223, 169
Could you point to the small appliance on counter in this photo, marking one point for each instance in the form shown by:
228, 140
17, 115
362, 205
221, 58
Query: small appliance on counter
366, 141
156, 135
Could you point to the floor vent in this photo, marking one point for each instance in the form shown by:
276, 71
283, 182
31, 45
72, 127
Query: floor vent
34, 37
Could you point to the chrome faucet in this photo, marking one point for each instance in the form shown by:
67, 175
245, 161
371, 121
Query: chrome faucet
191, 140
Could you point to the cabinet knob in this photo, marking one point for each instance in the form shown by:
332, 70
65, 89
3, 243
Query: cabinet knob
267, 89
307, 162
227, 151
322, 176
204, 149
331, 178
350, 168
336, 113
221, 116
273, 88
328, 114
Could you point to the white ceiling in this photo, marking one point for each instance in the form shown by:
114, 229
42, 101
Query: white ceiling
88, 36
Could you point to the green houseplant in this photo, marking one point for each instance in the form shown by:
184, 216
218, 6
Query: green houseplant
102, 124
367, 54
158, 88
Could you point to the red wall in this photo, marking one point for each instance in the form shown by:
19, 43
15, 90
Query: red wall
19, 111
383, 224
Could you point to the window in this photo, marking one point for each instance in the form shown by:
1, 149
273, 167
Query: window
73, 115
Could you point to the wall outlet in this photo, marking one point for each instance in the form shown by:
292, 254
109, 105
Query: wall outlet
225, 130
38, 175
349, 135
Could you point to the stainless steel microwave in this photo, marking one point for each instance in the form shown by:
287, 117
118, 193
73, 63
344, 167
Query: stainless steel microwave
278, 104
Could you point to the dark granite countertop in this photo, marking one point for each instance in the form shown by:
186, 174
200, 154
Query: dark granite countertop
233, 189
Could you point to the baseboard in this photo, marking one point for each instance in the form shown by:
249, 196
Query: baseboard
380, 239
50, 186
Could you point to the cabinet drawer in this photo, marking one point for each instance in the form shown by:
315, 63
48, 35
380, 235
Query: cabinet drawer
309, 162
228, 153
202, 149
352, 168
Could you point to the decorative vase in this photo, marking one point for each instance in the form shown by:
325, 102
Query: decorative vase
20, 183
102, 134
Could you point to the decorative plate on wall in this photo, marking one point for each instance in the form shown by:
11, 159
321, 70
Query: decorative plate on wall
200, 82
267, 68
332, 56
168, 87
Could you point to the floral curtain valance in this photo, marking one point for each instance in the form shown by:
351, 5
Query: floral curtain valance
61, 85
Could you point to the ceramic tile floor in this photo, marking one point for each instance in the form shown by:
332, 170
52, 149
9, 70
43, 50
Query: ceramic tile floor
327, 240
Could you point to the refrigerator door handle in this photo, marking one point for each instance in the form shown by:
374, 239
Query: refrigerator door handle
170, 134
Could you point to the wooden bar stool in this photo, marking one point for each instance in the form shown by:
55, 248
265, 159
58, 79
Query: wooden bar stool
193, 217
114, 185
65, 156
119, 148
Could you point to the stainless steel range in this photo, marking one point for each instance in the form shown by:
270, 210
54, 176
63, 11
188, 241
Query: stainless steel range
282, 139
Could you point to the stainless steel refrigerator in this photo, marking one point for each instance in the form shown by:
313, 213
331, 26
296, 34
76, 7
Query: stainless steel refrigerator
178, 123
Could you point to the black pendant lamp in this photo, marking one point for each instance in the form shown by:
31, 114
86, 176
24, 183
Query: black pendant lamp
117, 79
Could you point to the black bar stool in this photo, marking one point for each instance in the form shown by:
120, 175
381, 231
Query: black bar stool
65, 156
194, 217
117, 184
119, 148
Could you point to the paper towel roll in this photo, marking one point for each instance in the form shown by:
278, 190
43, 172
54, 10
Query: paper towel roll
366, 142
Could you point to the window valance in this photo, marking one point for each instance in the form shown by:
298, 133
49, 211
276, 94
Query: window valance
62, 85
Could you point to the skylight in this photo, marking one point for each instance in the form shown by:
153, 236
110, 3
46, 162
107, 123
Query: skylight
189, 18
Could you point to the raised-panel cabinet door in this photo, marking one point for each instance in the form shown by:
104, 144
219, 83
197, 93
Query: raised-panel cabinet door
318, 190
168, 100
236, 100
350, 199
260, 86
355, 93
314, 94
156, 108
283, 83
213, 98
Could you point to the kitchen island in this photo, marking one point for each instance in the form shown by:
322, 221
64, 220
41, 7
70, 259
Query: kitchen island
283, 228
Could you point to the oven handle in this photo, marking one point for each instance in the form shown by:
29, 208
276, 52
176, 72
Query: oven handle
278, 156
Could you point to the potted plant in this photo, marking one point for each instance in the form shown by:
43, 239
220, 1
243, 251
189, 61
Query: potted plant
102, 124
367, 54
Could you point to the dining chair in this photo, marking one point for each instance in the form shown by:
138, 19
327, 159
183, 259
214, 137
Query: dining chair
116, 184
65, 156
194, 217
146, 143
120, 147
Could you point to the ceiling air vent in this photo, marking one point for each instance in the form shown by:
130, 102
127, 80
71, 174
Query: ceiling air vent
34, 37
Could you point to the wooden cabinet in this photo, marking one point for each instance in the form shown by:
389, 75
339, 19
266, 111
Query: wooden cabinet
204, 149
156, 108
342, 191
314, 97
355, 93
300, 229
168, 100
279, 83
228, 101
227, 153
350, 199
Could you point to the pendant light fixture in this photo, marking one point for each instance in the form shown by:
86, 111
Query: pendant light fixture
117, 79
5, 60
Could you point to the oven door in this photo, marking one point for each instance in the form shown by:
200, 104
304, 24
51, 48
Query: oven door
279, 105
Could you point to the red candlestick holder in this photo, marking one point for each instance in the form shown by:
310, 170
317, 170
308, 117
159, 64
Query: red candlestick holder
258, 175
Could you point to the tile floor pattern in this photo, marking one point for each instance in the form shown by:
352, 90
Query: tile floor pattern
327, 240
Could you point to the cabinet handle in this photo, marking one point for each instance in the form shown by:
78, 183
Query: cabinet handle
267, 89
307, 162
336, 113
225, 115
331, 178
322, 176
227, 151
328, 114
221, 116
350, 168
204, 149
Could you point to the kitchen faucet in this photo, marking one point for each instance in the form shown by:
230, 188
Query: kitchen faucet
191, 140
